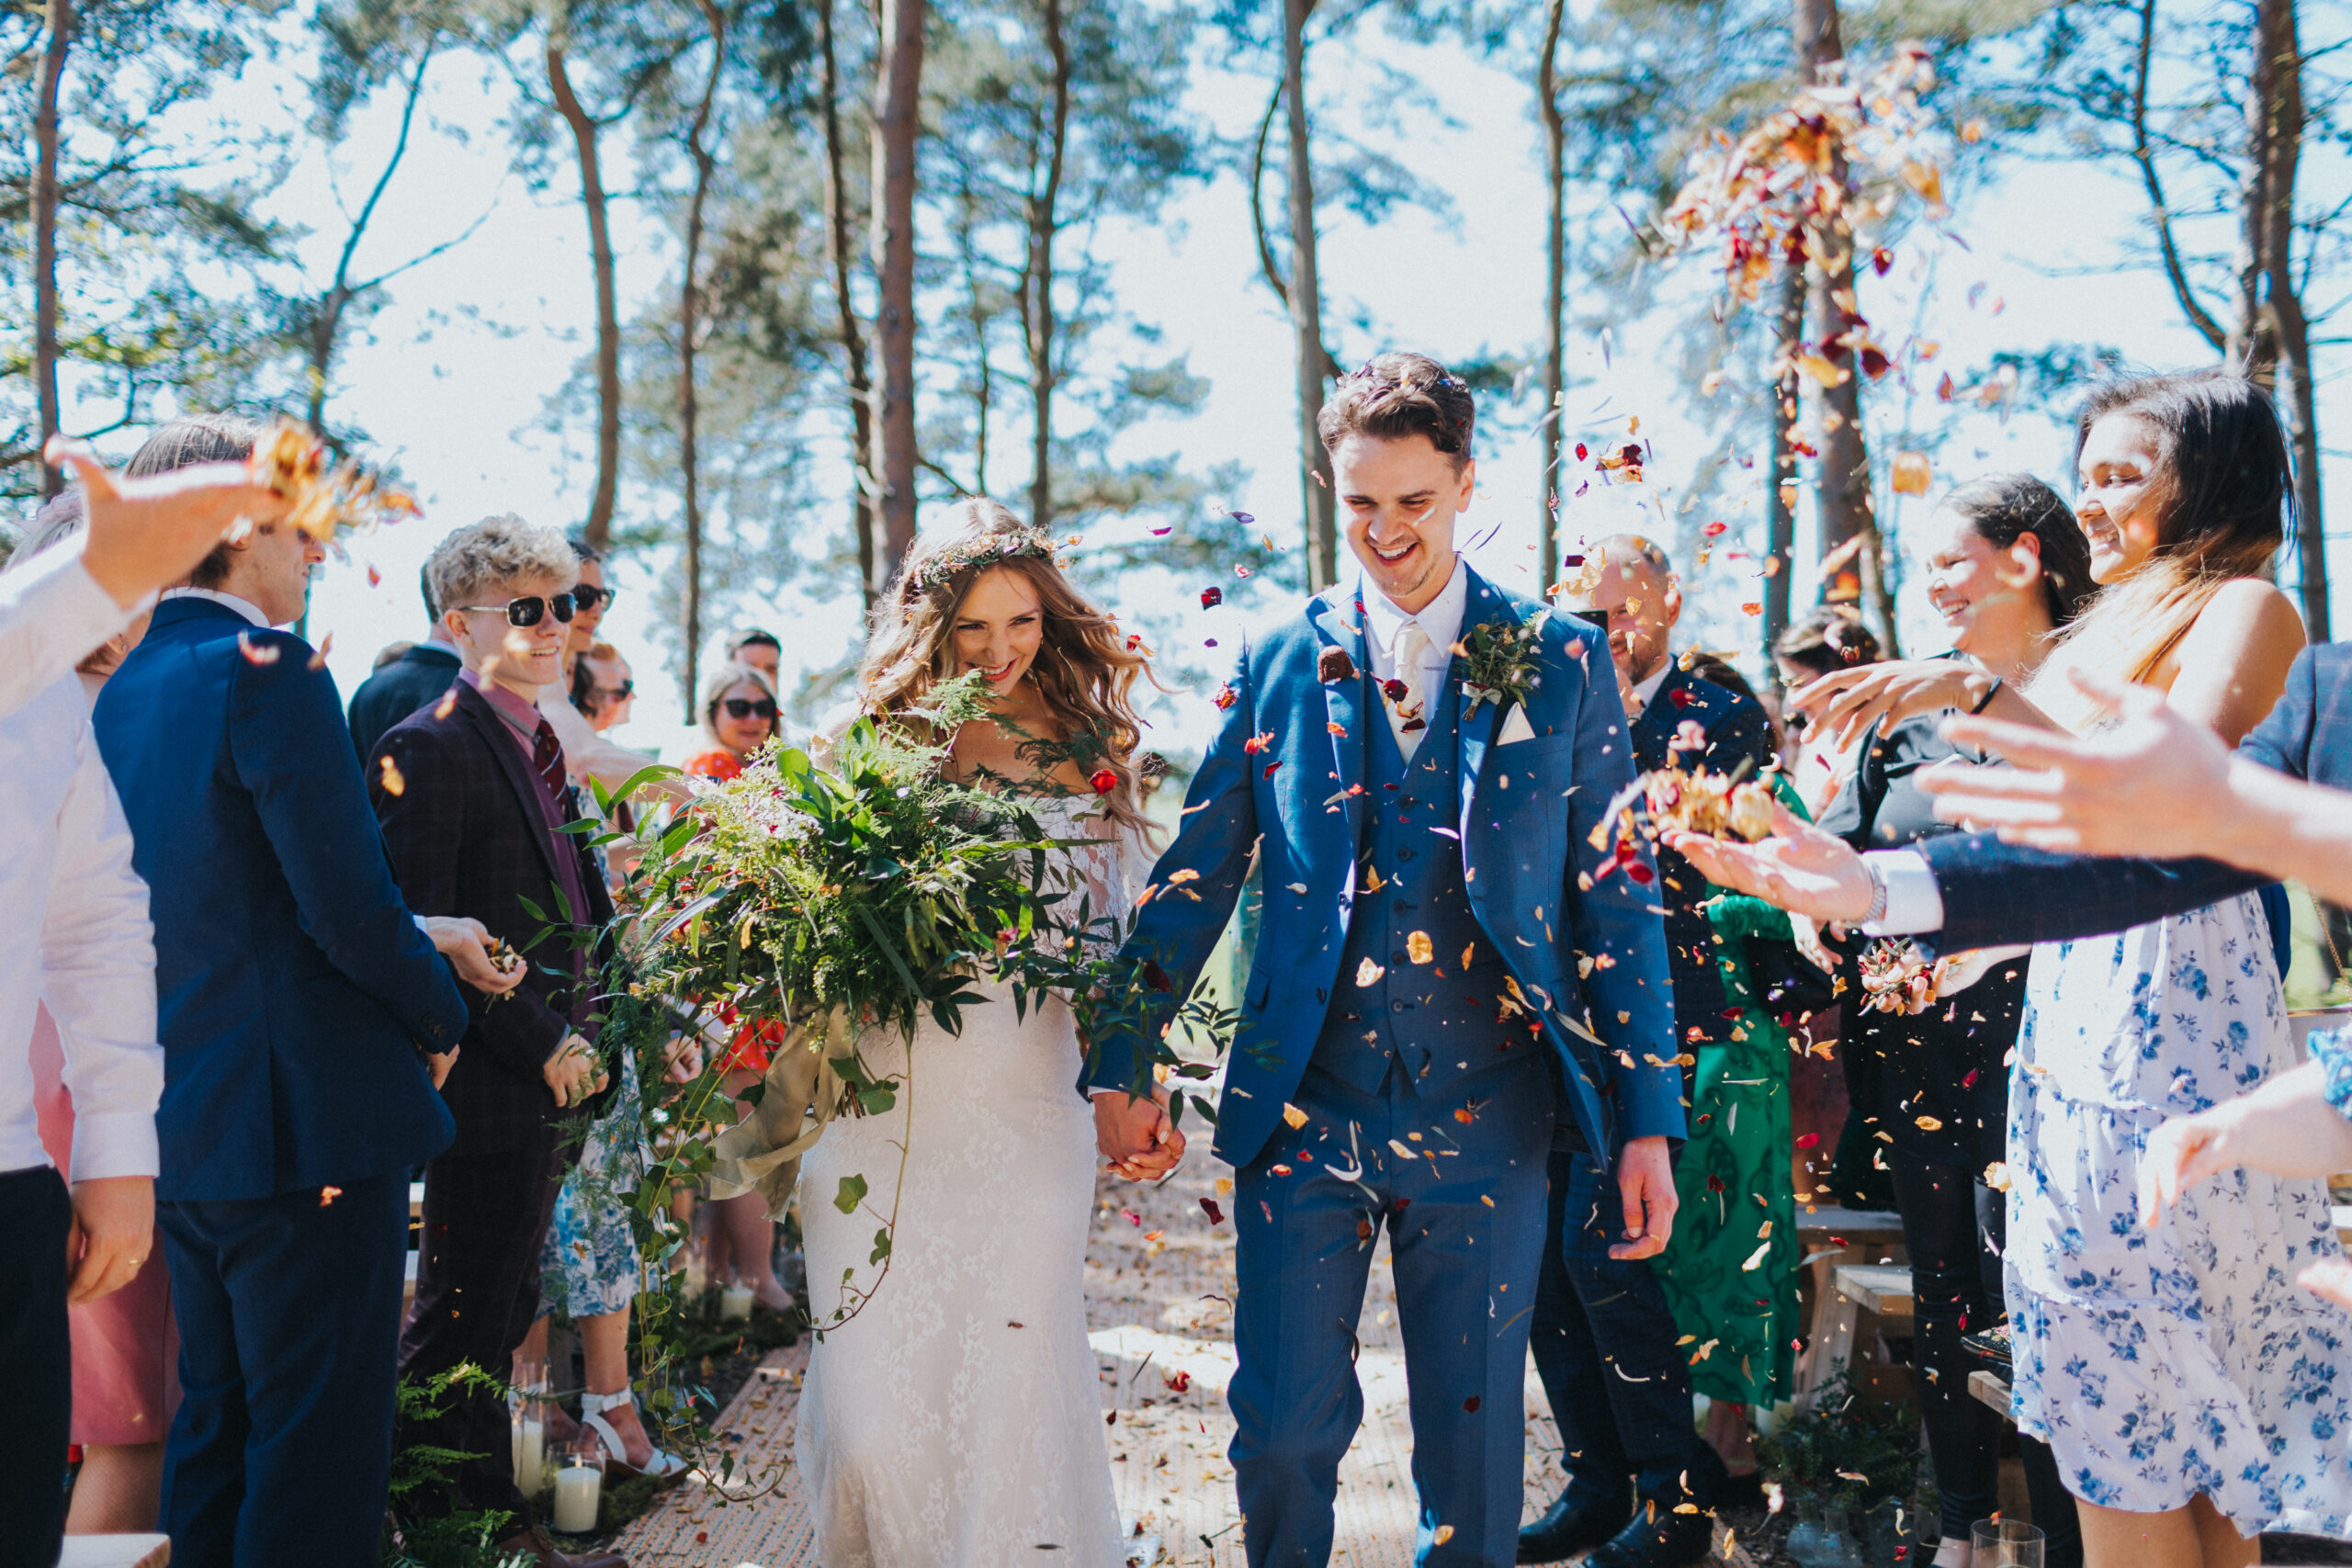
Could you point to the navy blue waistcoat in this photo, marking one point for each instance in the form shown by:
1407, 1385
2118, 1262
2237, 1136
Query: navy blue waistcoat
1437, 991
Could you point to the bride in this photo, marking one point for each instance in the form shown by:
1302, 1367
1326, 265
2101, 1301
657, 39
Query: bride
954, 1417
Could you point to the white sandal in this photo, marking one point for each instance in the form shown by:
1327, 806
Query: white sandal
662, 1466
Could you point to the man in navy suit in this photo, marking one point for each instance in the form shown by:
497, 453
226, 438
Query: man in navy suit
298, 999
1603, 1336
1971, 890
418, 677
1429, 987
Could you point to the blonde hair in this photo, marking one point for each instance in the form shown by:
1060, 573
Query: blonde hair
497, 550
725, 679
2221, 495
1085, 668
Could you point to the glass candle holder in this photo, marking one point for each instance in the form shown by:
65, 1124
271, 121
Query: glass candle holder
579, 1484
526, 1403
2005, 1543
735, 1303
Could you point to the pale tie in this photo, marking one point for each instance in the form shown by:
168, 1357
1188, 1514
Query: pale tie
1411, 716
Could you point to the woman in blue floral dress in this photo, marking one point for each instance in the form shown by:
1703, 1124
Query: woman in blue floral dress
2193, 1396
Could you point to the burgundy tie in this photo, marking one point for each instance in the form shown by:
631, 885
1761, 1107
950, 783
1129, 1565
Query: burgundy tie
547, 755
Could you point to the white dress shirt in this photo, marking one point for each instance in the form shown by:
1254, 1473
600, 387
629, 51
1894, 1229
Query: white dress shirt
1914, 903
53, 616
1645, 691
245, 607
73, 934
1439, 621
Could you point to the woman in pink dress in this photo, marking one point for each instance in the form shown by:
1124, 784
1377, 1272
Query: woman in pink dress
125, 1349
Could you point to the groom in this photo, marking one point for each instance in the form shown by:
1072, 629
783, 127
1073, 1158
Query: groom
1446, 959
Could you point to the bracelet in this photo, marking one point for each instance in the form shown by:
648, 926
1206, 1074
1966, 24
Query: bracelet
1877, 912
1990, 692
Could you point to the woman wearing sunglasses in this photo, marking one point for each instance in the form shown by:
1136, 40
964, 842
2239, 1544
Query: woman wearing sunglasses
738, 714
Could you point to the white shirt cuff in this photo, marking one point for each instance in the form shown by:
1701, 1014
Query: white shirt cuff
115, 1143
1914, 904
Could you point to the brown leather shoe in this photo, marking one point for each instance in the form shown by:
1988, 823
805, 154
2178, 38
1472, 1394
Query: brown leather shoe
534, 1544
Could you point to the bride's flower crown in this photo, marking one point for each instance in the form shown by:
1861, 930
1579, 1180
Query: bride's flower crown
989, 550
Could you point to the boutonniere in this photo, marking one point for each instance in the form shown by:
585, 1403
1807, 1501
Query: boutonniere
1499, 660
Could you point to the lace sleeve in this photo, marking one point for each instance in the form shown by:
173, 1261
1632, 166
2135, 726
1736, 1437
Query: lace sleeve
1106, 870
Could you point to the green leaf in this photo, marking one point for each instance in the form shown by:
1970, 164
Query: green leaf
851, 1194
881, 1244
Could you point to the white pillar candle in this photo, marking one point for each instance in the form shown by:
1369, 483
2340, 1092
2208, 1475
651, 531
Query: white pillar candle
735, 1303
577, 1489
529, 1436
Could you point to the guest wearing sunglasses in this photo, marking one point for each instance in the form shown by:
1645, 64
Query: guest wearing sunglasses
587, 754
738, 714
604, 688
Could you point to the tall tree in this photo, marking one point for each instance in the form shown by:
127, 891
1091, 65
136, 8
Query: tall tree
48, 134
839, 220
1309, 358
703, 159
1780, 465
1556, 290
897, 130
1043, 217
584, 129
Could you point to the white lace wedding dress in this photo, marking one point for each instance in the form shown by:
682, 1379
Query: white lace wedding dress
955, 1421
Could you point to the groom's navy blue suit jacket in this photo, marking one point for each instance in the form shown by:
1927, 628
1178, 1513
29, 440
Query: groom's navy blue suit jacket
293, 987
1529, 809
1995, 894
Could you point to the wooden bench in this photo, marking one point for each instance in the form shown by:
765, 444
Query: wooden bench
1882, 1290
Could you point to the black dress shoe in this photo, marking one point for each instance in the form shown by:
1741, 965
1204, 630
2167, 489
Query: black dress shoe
1565, 1530
1740, 1491
1659, 1538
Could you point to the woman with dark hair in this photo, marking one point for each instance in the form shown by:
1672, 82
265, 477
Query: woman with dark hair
2008, 567
2187, 1388
1823, 641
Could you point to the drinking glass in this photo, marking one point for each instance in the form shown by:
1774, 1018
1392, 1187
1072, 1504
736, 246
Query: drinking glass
2005, 1543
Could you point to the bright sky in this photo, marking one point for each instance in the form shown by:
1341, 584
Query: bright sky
455, 374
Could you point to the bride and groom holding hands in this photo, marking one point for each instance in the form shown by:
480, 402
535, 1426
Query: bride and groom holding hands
1458, 970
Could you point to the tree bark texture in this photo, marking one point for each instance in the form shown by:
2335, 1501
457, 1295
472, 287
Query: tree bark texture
1307, 310
1038, 295
598, 528
1555, 289
853, 335
1781, 468
897, 123
48, 135
705, 162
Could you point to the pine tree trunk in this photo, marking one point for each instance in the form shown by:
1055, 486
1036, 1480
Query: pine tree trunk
705, 162
1555, 289
837, 253
598, 529
1781, 467
48, 134
1044, 217
1307, 310
897, 123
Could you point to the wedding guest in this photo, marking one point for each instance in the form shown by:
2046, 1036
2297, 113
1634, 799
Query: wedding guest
77, 982
588, 756
124, 1343
143, 534
2007, 569
472, 800
420, 675
1628, 1438
298, 997
1823, 640
739, 714
389, 652
762, 651
604, 688
2184, 488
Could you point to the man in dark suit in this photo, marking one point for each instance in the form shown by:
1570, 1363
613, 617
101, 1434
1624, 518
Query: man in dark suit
297, 998
1601, 1332
1971, 890
420, 675
472, 799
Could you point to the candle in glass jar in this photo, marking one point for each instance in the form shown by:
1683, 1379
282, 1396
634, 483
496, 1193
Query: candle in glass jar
577, 1490
530, 1443
735, 1303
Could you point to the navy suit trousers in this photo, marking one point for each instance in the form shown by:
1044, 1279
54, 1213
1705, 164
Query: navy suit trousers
34, 1219
1464, 1214
1604, 1347
289, 1311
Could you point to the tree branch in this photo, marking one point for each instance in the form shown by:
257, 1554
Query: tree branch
2143, 154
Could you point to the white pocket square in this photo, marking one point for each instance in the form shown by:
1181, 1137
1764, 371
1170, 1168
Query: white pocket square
1516, 728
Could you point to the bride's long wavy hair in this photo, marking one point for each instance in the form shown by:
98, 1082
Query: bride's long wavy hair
1085, 668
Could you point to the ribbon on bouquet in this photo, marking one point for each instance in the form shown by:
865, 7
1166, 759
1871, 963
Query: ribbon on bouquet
803, 1093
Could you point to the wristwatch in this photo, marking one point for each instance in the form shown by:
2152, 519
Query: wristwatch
1877, 912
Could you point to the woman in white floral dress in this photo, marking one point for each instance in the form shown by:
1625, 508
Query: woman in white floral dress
2192, 1394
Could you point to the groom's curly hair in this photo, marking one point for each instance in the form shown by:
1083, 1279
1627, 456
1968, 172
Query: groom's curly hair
1397, 395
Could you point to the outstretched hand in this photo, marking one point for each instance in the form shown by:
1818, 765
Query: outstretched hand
2157, 783
1799, 868
1845, 703
1645, 1182
147, 534
1136, 1134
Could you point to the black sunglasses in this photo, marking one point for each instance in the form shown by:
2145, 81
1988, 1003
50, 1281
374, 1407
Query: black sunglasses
587, 595
744, 708
615, 693
529, 612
